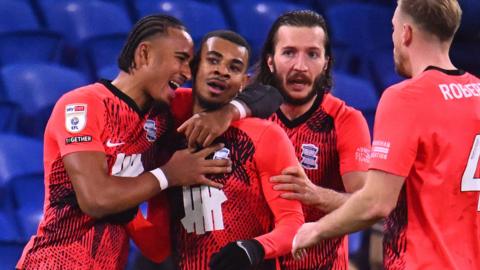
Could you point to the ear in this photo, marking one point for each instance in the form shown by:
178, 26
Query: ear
142, 54
270, 62
407, 34
244, 82
327, 63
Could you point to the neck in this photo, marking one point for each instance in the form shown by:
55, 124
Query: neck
132, 87
425, 55
294, 111
197, 107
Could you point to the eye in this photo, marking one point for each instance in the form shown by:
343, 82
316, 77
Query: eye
313, 55
288, 53
181, 58
235, 69
212, 60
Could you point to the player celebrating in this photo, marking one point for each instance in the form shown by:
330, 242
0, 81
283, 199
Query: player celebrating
424, 168
229, 228
331, 140
98, 153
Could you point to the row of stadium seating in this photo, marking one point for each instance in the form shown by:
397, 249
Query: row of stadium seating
48, 47
31, 90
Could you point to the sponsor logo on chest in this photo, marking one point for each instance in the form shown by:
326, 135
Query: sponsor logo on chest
309, 156
75, 117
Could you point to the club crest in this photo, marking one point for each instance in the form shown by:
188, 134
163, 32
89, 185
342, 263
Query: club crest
309, 156
151, 130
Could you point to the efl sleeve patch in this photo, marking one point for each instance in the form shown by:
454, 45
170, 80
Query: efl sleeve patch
75, 117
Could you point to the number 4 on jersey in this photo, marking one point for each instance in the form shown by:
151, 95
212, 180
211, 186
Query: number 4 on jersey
471, 175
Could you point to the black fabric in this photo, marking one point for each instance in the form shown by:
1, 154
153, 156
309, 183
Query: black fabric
302, 118
239, 255
452, 72
121, 218
263, 100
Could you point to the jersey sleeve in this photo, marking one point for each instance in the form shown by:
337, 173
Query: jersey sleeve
152, 235
395, 143
275, 153
76, 123
353, 142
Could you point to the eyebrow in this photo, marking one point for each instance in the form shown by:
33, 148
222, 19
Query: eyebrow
296, 48
219, 55
184, 54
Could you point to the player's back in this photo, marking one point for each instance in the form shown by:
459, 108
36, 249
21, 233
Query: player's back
437, 220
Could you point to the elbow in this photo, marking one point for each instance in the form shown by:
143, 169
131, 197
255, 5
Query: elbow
95, 206
379, 211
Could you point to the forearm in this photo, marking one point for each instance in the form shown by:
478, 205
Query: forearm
357, 213
278, 242
116, 194
328, 199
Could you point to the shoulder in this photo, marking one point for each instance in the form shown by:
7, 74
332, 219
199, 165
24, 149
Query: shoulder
339, 110
89, 94
258, 129
182, 103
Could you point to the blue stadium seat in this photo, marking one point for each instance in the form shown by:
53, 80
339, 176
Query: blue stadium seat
80, 21
10, 113
10, 252
108, 72
198, 17
382, 68
253, 19
103, 51
359, 28
21, 37
470, 26
21, 170
356, 92
36, 88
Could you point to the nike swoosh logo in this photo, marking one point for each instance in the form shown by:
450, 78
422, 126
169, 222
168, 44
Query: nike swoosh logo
110, 144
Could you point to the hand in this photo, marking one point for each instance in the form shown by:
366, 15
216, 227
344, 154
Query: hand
241, 255
306, 237
297, 186
186, 168
202, 128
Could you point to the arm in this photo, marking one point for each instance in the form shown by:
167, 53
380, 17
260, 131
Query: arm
353, 145
152, 235
257, 100
373, 202
393, 154
288, 215
100, 194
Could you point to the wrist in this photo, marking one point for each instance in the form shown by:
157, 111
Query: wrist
161, 178
237, 110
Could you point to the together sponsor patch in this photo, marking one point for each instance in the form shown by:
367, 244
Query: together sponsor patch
78, 139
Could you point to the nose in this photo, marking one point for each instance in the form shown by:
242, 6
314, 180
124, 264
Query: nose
300, 63
222, 70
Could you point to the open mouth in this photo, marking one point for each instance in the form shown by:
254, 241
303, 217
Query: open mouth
217, 86
173, 85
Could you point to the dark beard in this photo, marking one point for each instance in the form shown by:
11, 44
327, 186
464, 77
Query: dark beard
205, 104
317, 89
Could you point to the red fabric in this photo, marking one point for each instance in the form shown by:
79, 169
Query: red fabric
425, 130
106, 122
331, 139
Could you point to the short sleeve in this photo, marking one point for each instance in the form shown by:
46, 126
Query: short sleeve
395, 142
353, 142
76, 123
